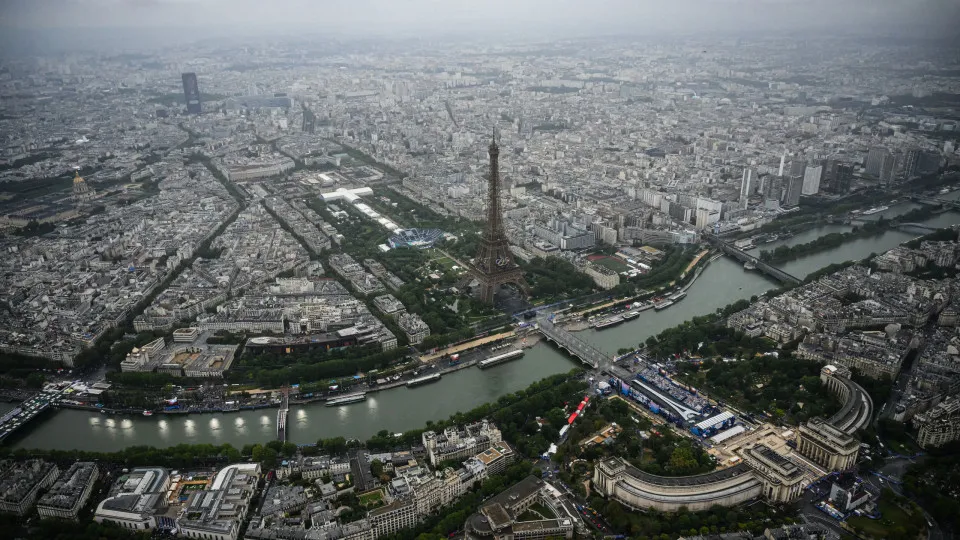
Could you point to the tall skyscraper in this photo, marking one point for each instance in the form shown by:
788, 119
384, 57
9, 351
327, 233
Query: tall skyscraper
783, 161
191, 92
811, 180
776, 188
765, 185
837, 176
309, 120
929, 162
911, 162
888, 169
875, 159
917, 162
746, 186
844, 177
791, 196
797, 167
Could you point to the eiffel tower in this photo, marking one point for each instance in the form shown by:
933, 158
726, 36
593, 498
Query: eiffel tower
494, 265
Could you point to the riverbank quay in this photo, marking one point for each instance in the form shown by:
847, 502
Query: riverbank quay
466, 346
578, 321
237, 399
865, 229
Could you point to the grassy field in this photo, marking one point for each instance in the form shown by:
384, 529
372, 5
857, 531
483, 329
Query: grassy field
612, 263
895, 522
371, 498
444, 261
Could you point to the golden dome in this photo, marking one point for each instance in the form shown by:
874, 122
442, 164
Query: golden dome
78, 179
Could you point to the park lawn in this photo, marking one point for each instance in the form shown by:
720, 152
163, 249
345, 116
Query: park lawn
612, 263
904, 448
891, 516
446, 262
370, 498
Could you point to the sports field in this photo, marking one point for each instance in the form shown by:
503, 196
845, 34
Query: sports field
611, 263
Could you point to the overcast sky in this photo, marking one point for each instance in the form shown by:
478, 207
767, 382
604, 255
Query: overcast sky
389, 18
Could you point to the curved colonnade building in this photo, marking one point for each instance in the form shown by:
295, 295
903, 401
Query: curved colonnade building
830, 443
857, 407
762, 471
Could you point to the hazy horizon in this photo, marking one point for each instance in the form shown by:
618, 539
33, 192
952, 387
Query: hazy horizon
139, 24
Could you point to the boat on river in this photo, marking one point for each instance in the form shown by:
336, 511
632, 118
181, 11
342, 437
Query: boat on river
499, 359
663, 305
346, 400
423, 380
608, 322
875, 210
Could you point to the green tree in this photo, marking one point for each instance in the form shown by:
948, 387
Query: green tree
682, 460
289, 449
269, 458
35, 380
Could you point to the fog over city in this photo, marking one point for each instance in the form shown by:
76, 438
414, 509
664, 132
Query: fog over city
78, 24
479, 270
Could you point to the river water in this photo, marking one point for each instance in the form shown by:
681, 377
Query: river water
395, 410
723, 282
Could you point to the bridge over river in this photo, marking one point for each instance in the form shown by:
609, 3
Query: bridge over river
282, 414
576, 347
916, 228
744, 257
27, 411
936, 201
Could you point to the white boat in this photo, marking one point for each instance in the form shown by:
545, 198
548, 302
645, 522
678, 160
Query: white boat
424, 380
663, 305
499, 359
346, 400
875, 210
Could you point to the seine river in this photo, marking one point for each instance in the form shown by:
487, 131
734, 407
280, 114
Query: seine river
722, 283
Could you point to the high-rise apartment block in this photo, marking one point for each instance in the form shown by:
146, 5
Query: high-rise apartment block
875, 158
811, 180
888, 168
746, 186
793, 190
837, 176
